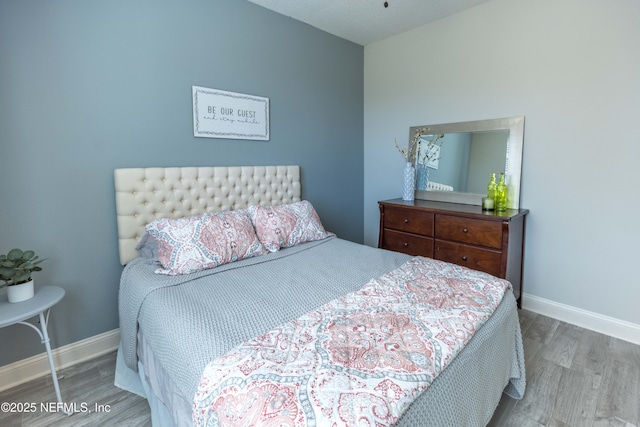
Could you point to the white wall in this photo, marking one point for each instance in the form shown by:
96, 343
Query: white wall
572, 68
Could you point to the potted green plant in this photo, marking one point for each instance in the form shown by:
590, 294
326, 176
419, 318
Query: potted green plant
15, 270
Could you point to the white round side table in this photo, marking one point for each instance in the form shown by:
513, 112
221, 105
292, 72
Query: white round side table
40, 305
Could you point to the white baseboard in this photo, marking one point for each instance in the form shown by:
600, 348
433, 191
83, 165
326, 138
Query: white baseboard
37, 366
611, 326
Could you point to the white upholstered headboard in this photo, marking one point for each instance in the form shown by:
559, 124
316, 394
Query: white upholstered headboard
145, 194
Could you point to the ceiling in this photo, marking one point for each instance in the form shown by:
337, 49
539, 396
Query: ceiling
367, 21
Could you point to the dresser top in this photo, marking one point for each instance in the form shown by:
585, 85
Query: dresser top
447, 207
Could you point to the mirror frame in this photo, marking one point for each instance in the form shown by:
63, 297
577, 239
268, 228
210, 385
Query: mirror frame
513, 163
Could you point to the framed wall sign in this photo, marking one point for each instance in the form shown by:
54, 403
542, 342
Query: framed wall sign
221, 114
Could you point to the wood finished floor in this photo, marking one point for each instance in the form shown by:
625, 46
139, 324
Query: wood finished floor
575, 377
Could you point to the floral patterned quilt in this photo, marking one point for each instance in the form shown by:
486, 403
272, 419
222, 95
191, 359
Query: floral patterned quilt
358, 360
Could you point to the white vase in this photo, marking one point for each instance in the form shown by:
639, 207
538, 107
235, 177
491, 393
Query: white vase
21, 292
408, 182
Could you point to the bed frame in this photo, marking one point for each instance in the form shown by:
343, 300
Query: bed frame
146, 194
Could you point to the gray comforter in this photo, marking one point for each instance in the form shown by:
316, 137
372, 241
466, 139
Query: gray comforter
212, 311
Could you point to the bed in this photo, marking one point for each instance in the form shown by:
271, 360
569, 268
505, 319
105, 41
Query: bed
174, 325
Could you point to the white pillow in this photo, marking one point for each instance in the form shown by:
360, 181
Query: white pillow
187, 245
287, 225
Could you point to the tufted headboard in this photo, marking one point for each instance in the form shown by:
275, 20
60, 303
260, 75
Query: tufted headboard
145, 194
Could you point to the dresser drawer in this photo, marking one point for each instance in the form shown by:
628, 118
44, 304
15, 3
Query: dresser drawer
466, 230
485, 260
466, 235
409, 220
407, 243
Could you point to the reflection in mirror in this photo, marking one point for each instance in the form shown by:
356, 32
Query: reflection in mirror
463, 157
465, 160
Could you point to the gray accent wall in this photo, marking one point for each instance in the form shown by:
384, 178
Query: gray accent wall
90, 86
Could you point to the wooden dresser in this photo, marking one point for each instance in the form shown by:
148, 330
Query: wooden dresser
461, 234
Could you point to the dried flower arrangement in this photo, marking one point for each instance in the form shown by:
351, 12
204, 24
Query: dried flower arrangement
410, 155
431, 150
406, 152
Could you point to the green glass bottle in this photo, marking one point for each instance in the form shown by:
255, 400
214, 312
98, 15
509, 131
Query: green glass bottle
501, 194
491, 188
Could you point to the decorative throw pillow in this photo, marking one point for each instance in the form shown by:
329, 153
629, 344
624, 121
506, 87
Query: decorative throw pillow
287, 225
187, 245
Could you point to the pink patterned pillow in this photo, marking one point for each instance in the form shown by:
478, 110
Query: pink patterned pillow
287, 225
187, 245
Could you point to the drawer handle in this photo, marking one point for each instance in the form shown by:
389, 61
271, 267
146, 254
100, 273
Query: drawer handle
464, 257
406, 221
465, 230
406, 244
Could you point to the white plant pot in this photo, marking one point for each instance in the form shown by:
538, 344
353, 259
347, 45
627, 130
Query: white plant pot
21, 292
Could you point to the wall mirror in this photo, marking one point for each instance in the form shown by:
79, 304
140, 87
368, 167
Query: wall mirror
469, 152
